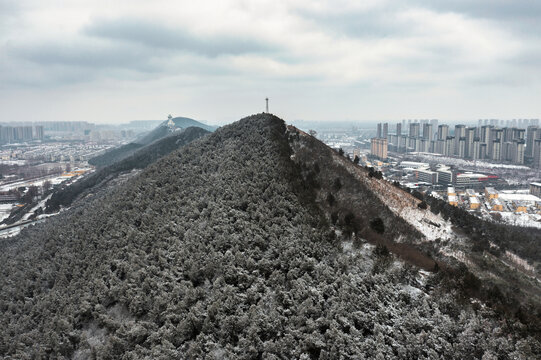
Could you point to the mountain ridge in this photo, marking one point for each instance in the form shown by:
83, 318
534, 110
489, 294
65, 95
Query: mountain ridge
226, 248
162, 130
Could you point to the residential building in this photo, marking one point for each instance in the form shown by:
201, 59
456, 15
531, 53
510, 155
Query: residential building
379, 147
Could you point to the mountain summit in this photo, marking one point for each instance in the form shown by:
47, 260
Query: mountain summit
248, 243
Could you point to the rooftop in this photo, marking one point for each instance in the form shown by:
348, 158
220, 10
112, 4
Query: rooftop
518, 197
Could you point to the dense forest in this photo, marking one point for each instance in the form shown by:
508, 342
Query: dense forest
232, 247
140, 159
115, 155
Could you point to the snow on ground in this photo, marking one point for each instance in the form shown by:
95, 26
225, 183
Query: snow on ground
13, 162
413, 291
10, 232
522, 191
517, 260
422, 277
54, 179
521, 219
5, 210
457, 254
40, 204
405, 205
518, 197
427, 223
436, 158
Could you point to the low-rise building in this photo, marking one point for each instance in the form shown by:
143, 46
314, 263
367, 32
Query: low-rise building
452, 200
471, 179
490, 193
496, 204
427, 176
474, 203
445, 175
520, 206
414, 165
471, 193
535, 189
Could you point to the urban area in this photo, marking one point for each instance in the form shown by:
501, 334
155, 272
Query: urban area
492, 168
37, 157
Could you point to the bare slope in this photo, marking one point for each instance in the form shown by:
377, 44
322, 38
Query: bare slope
221, 250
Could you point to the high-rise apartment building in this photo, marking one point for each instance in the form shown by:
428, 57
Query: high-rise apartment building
443, 132
468, 147
38, 132
460, 132
537, 153
517, 151
427, 131
415, 130
533, 133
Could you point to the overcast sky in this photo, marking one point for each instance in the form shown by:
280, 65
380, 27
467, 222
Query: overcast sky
114, 61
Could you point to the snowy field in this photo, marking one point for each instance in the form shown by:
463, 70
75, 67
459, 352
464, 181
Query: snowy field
55, 179
5, 209
13, 162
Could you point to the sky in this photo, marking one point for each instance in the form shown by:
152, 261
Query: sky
331, 60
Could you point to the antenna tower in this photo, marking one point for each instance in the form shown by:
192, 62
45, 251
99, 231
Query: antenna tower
267, 107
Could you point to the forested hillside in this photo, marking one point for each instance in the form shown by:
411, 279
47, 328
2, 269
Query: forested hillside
163, 130
470, 255
233, 248
141, 158
179, 123
115, 155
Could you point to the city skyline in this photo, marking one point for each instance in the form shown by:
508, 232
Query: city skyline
319, 61
516, 141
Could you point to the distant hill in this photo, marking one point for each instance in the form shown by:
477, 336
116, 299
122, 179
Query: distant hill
139, 159
161, 131
255, 242
115, 155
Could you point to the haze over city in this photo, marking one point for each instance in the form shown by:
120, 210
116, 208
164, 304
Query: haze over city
107, 62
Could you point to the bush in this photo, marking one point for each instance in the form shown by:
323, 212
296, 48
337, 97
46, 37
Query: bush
377, 225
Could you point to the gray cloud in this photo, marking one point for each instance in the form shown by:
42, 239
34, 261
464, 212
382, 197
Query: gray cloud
84, 55
315, 61
58, 62
373, 23
490, 9
155, 35
377, 22
9, 8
